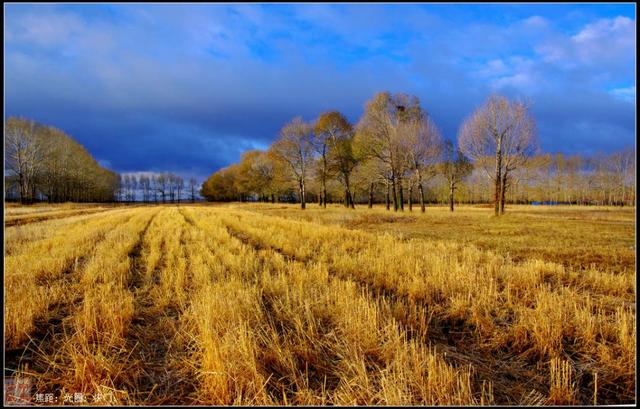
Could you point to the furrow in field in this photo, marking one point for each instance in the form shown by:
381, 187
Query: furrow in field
136, 277
160, 297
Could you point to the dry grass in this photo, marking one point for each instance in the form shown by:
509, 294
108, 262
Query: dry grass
264, 305
579, 237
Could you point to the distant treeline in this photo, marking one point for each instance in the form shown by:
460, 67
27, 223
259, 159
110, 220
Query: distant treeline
44, 163
163, 187
395, 154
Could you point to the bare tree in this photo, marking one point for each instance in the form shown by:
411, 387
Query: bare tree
379, 136
134, 187
325, 128
145, 185
502, 129
155, 187
455, 167
422, 144
332, 141
121, 188
335, 134
192, 186
23, 154
161, 185
294, 148
171, 186
623, 164
179, 186
126, 182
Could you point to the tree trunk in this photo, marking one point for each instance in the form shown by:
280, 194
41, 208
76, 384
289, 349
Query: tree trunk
23, 189
324, 193
387, 197
422, 207
401, 191
410, 198
348, 194
503, 190
452, 187
302, 195
324, 176
498, 177
395, 196
371, 196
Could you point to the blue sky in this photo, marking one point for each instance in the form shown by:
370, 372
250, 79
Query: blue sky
188, 88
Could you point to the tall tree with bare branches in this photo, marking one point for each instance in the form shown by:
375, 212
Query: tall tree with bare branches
24, 152
422, 147
455, 167
294, 148
192, 186
334, 137
379, 136
502, 129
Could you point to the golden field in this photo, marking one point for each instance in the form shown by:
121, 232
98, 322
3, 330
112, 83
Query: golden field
262, 304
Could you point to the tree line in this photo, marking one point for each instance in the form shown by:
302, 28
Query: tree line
44, 163
165, 187
396, 154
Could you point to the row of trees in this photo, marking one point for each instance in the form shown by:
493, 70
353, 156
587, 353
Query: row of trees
43, 163
155, 187
597, 179
396, 154
551, 178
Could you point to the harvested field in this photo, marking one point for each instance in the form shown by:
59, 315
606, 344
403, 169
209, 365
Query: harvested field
270, 305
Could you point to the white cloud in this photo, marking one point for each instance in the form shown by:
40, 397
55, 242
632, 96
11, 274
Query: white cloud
606, 38
515, 72
604, 42
625, 94
493, 68
535, 22
44, 29
521, 81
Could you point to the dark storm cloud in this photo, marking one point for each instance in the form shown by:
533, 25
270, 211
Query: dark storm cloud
188, 88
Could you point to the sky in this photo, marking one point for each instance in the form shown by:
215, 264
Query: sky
188, 88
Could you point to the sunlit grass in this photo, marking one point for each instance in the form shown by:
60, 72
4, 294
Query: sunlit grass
266, 304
